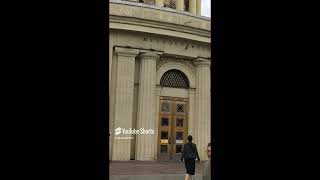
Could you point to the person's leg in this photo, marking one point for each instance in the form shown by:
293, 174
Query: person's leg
187, 177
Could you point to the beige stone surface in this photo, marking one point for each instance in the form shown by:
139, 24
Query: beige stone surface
180, 5
199, 7
192, 112
172, 46
159, 14
145, 42
159, 3
203, 109
193, 6
146, 106
123, 108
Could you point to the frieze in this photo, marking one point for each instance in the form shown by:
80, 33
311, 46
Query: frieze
178, 43
158, 15
168, 45
164, 60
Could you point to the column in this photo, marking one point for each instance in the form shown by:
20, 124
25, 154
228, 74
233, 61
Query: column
110, 85
159, 3
199, 7
193, 6
134, 118
112, 100
180, 5
123, 101
203, 103
192, 110
156, 132
146, 106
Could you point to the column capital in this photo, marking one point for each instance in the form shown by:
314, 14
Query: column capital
149, 55
199, 61
126, 51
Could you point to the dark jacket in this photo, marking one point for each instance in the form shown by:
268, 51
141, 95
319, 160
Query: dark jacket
189, 148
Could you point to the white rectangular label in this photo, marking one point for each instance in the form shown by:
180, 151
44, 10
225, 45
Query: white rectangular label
179, 141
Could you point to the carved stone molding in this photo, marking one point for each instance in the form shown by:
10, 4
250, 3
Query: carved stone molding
163, 60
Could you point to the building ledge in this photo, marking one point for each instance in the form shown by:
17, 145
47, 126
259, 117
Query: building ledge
159, 8
158, 14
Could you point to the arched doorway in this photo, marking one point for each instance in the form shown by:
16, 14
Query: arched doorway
173, 114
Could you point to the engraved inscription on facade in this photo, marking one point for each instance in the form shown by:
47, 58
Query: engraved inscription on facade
184, 44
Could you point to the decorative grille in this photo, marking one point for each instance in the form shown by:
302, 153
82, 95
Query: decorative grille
174, 78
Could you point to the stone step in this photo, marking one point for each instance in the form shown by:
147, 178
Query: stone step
135, 168
154, 177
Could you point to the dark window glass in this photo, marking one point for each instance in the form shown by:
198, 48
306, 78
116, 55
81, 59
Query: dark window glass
180, 108
164, 121
164, 134
178, 148
179, 122
164, 148
179, 135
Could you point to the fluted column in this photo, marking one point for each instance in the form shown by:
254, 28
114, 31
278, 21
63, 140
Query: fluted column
180, 5
203, 103
156, 132
199, 7
193, 6
146, 106
110, 85
123, 101
191, 120
159, 3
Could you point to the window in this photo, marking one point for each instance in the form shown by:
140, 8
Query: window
174, 78
164, 134
165, 107
163, 148
178, 148
164, 121
179, 135
180, 108
186, 5
170, 4
179, 122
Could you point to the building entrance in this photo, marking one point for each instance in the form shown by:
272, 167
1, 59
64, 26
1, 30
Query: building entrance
172, 127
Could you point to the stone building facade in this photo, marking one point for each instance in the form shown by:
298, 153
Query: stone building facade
159, 70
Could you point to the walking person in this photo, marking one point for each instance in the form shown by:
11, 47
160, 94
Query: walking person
189, 155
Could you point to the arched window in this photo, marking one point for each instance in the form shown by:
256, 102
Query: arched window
174, 78
186, 5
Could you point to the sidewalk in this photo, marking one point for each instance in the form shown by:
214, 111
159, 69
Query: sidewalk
153, 170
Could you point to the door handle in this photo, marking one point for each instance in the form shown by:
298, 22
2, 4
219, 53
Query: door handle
169, 140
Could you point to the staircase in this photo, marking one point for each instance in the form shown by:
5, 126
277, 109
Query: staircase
153, 170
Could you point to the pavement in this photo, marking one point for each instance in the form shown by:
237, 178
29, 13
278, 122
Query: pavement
150, 170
